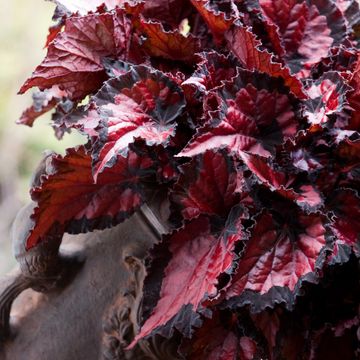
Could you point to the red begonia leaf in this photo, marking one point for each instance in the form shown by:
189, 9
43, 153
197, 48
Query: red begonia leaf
73, 61
225, 346
217, 339
209, 184
212, 72
308, 30
53, 32
251, 118
43, 101
217, 20
351, 12
245, 46
169, 12
68, 200
326, 344
248, 348
268, 322
305, 161
199, 255
227, 350
115, 68
170, 45
142, 103
327, 96
346, 225
354, 98
305, 195
279, 255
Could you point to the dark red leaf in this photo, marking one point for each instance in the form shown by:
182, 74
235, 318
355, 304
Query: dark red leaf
43, 101
199, 257
251, 119
308, 30
85, 120
73, 61
351, 12
170, 12
211, 73
216, 19
214, 340
346, 226
53, 32
217, 339
68, 200
142, 103
305, 195
279, 254
115, 68
209, 184
248, 348
327, 96
306, 161
354, 98
268, 322
170, 45
243, 43
227, 350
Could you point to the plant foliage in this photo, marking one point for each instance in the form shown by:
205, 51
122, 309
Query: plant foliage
248, 113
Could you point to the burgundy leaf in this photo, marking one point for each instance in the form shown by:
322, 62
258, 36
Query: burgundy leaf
268, 322
115, 68
248, 348
227, 350
216, 340
170, 45
142, 103
169, 12
305, 160
250, 119
84, 120
307, 30
351, 12
305, 195
211, 73
354, 98
199, 257
73, 61
68, 200
243, 43
209, 184
216, 19
327, 96
43, 101
346, 226
53, 32
279, 254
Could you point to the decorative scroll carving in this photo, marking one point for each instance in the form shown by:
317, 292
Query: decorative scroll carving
121, 324
11, 288
114, 255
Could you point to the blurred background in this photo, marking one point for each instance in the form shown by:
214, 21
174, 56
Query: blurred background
23, 30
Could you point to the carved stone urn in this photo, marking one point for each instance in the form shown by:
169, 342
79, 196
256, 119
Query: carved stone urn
87, 306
